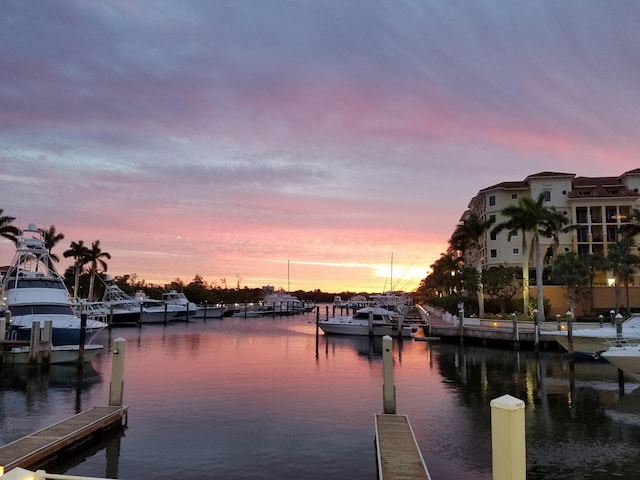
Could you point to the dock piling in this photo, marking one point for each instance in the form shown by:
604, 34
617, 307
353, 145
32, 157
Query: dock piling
117, 373
388, 388
508, 439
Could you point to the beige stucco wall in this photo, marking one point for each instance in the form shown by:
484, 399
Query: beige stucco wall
603, 299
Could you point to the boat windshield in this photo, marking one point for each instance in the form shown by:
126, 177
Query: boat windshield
22, 310
34, 283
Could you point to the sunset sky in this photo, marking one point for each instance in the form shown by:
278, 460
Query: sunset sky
300, 144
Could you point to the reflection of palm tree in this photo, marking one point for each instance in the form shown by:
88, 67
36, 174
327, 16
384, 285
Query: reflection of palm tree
7, 230
530, 216
51, 238
79, 252
467, 235
95, 258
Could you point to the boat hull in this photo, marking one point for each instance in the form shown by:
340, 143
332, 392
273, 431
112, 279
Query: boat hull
59, 354
625, 358
336, 328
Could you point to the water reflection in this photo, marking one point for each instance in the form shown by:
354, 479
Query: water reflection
572, 429
259, 398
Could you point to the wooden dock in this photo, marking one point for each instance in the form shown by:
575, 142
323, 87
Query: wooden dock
399, 457
36, 449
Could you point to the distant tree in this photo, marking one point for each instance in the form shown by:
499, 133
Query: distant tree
501, 285
573, 271
80, 253
51, 239
7, 230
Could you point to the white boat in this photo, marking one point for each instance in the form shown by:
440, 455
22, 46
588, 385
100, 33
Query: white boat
281, 302
176, 307
376, 321
60, 354
593, 341
625, 357
357, 301
396, 301
34, 291
118, 307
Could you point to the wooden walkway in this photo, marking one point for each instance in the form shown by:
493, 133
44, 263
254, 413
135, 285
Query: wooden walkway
35, 449
399, 457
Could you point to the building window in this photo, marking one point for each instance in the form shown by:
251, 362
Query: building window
494, 253
516, 251
492, 200
514, 196
582, 215
547, 195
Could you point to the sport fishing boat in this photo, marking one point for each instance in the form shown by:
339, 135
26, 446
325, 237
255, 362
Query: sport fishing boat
34, 291
374, 321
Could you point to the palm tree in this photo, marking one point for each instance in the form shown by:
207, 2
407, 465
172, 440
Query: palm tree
529, 216
7, 230
621, 261
79, 252
95, 258
468, 235
632, 228
445, 274
552, 227
51, 238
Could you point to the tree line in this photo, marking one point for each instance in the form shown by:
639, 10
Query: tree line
530, 219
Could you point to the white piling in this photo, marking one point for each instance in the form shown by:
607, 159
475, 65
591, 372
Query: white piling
388, 388
508, 439
117, 373
3, 328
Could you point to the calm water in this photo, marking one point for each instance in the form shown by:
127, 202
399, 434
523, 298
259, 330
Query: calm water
248, 399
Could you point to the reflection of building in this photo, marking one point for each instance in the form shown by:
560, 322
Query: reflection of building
597, 206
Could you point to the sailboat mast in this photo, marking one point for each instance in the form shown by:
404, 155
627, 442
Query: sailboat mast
391, 272
288, 279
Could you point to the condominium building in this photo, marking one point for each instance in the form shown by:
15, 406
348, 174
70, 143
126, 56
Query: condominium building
596, 206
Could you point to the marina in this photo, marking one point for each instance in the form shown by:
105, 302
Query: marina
249, 398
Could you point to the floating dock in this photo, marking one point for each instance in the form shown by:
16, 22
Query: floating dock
399, 457
42, 446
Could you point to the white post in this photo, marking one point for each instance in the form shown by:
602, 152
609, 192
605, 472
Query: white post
34, 344
388, 388
508, 439
117, 373
3, 328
